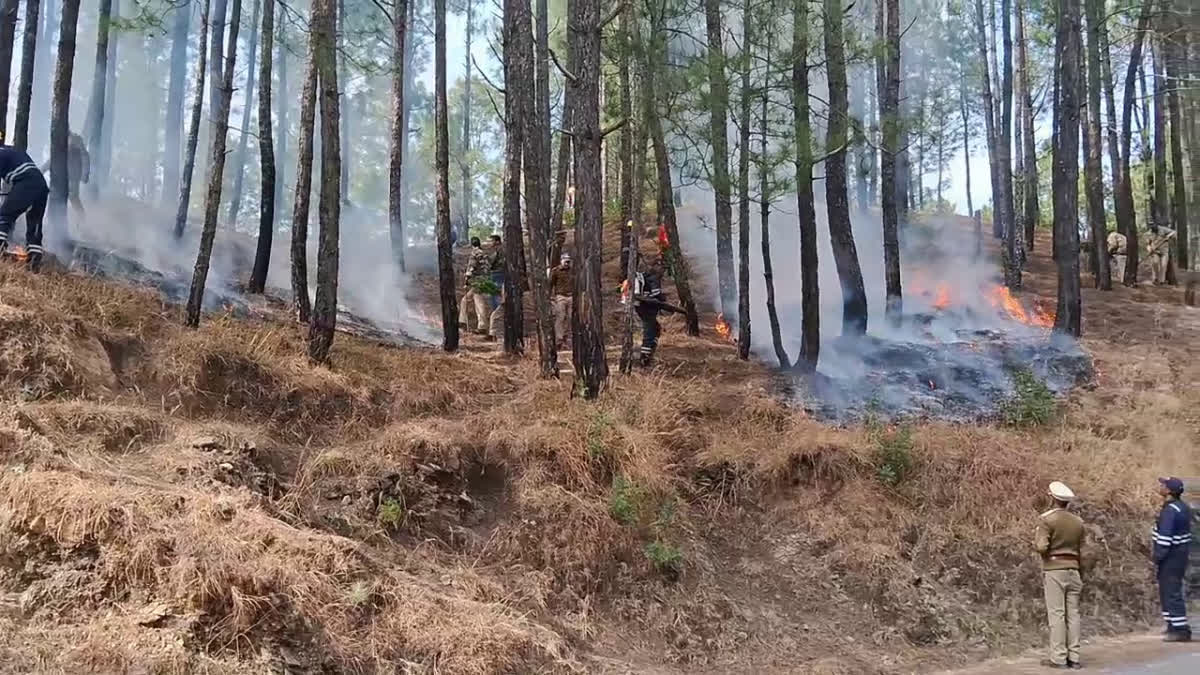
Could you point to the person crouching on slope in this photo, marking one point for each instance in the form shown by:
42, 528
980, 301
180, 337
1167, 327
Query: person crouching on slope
1059, 542
1172, 544
26, 195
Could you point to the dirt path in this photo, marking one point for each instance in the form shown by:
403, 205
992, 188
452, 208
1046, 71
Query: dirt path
1138, 655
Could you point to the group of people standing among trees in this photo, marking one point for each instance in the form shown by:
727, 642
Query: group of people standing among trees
1158, 249
1059, 543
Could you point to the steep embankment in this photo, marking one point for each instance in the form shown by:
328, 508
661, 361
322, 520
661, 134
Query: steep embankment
204, 501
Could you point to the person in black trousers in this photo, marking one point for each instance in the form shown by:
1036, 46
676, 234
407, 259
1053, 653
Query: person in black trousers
26, 195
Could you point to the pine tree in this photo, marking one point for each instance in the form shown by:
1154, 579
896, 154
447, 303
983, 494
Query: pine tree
25, 85
176, 85
1066, 168
446, 287
300, 207
60, 109
324, 311
810, 338
266, 156
189, 155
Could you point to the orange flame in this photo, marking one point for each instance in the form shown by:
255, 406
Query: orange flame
943, 296
18, 253
723, 328
625, 292
1001, 298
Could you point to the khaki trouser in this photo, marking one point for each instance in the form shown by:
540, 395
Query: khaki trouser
496, 321
1118, 267
1158, 267
1062, 589
480, 302
561, 306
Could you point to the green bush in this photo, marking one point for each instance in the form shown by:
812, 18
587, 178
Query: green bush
1032, 402
390, 513
485, 286
893, 455
625, 501
666, 558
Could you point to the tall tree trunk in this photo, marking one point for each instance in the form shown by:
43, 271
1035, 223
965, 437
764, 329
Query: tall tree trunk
266, 155
966, 127
654, 57
239, 157
193, 137
1123, 208
810, 294
216, 171
445, 256
563, 164
39, 108
517, 106
282, 104
537, 186
718, 121
1066, 169
8, 38
300, 206
1125, 188
397, 141
765, 177
25, 85
587, 320
628, 235
744, 188
1093, 176
890, 117
994, 54
920, 128
324, 312
1026, 145
102, 160
406, 111
215, 64
176, 86
989, 118
845, 256
1161, 215
60, 114
343, 109
464, 163
1012, 238
95, 112
1174, 48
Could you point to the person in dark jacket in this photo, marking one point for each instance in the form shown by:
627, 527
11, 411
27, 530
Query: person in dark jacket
648, 296
1172, 544
27, 194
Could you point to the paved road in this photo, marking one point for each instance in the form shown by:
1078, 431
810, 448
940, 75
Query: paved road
1136, 655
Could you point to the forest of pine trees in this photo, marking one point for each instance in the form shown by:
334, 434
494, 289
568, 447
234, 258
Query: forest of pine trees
1086, 113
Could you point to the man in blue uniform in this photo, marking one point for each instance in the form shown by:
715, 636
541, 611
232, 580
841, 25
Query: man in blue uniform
1172, 541
26, 195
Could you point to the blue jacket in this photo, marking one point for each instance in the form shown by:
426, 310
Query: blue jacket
1172, 534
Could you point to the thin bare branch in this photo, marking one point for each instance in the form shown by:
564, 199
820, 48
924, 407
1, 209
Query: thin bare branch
566, 73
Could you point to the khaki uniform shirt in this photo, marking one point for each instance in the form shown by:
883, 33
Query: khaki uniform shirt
1116, 243
1059, 540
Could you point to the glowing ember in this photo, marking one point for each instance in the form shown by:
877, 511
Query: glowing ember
723, 328
1001, 298
943, 297
18, 253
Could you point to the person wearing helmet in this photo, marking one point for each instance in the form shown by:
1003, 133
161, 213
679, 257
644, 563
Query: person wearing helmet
562, 289
1172, 544
1059, 542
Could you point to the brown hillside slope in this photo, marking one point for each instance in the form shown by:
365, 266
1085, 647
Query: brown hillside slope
182, 502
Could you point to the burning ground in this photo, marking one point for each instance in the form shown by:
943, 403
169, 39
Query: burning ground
182, 501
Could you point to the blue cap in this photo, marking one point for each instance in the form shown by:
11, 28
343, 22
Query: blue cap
1173, 485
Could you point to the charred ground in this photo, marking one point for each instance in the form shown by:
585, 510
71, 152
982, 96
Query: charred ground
204, 501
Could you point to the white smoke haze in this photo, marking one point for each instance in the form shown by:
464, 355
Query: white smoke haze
953, 355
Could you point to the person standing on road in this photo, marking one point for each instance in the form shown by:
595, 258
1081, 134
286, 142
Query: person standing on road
1172, 545
1059, 542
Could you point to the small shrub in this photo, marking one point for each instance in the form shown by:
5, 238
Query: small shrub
665, 557
360, 594
390, 513
893, 455
597, 447
624, 503
1032, 402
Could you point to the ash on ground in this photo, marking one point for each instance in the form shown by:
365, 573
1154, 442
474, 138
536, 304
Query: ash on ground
959, 374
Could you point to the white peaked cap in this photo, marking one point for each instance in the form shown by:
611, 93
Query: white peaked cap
1061, 492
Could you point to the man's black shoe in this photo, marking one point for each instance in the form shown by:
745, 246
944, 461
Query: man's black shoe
1050, 664
1074, 665
1178, 636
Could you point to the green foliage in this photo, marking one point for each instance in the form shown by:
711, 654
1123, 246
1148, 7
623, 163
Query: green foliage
1032, 402
485, 286
597, 446
665, 557
390, 513
625, 501
893, 455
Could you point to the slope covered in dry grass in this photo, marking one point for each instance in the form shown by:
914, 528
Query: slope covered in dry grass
204, 501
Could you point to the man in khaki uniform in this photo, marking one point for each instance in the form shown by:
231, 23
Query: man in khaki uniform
1059, 542
562, 289
1117, 252
1159, 248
